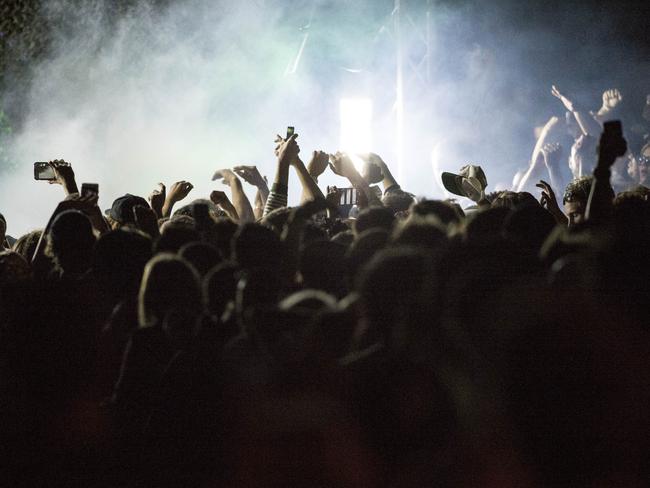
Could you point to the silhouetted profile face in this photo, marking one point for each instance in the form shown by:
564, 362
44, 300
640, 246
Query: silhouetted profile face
576, 196
575, 211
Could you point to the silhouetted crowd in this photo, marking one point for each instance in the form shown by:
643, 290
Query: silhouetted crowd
386, 340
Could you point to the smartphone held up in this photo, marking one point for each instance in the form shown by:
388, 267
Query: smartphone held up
43, 171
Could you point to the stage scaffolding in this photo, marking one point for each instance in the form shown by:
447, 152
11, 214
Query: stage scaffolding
409, 26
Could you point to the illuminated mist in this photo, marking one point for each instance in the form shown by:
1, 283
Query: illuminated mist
174, 93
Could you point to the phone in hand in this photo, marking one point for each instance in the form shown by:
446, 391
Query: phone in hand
290, 131
613, 128
43, 171
89, 189
612, 141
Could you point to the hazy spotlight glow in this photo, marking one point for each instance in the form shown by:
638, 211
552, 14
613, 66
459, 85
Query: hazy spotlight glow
356, 125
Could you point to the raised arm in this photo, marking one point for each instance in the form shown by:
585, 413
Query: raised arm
220, 199
177, 192
157, 200
259, 203
389, 181
537, 158
549, 202
239, 199
342, 165
612, 145
286, 151
252, 176
64, 176
308, 176
611, 99
588, 125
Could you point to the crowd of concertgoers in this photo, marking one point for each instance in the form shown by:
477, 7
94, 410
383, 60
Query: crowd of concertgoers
230, 343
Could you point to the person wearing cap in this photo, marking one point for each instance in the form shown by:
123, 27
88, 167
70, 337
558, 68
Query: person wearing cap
470, 182
121, 212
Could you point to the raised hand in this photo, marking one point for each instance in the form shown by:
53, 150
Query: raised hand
318, 163
287, 150
64, 176
177, 192
226, 175
157, 199
251, 175
341, 164
549, 202
568, 104
333, 195
333, 200
244, 211
220, 199
612, 144
611, 98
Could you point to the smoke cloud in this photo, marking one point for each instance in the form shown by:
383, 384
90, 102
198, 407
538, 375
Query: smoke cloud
164, 94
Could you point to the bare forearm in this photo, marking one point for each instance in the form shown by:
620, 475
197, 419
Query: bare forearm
541, 140
389, 180
167, 208
241, 203
532, 174
611, 146
537, 153
600, 203
310, 189
70, 187
279, 191
588, 125
262, 193
260, 202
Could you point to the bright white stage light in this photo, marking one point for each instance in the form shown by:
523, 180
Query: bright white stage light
356, 126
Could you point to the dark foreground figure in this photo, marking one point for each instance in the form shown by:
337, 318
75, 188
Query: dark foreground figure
230, 344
